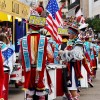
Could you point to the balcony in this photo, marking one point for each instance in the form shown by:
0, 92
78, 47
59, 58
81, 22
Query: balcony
77, 2
63, 1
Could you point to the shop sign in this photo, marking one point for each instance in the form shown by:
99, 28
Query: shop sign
37, 20
2, 4
14, 8
24, 11
62, 31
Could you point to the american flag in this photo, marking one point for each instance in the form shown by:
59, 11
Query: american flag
54, 20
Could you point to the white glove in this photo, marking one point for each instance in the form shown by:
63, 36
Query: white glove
77, 53
68, 55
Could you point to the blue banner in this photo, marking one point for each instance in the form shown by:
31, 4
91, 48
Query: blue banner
56, 53
26, 53
40, 52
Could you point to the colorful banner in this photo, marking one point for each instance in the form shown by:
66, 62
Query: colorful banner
36, 20
62, 31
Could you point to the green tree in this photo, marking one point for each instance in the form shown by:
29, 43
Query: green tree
94, 23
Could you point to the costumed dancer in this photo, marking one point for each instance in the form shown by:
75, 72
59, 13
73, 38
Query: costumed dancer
90, 57
41, 68
74, 55
95, 51
34, 78
72, 86
84, 80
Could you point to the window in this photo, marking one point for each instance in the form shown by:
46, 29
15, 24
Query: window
97, 16
95, 0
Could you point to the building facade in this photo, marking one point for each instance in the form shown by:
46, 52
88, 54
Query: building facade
72, 7
90, 8
45, 2
84, 5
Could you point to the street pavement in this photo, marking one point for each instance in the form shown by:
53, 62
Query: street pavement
92, 93
15, 93
85, 94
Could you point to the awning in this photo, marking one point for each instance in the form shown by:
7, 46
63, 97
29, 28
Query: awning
5, 17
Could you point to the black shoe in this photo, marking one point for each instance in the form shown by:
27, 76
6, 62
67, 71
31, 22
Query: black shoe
79, 90
90, 83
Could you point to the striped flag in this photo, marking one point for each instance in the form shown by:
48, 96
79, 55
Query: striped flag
54, 20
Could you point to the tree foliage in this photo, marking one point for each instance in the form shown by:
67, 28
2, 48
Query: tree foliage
94, 23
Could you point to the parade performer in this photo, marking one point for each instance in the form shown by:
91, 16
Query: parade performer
90, 57
34, 77
97, 49
84, 80
72, 82
74, 55
95, 52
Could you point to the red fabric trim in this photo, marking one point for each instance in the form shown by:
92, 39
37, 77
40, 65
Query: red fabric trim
29, 46
84, 62
40, 83
87, 56
32, 80
77, 66
49, 80
26, 74
1, 75
59, 83
12, 76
